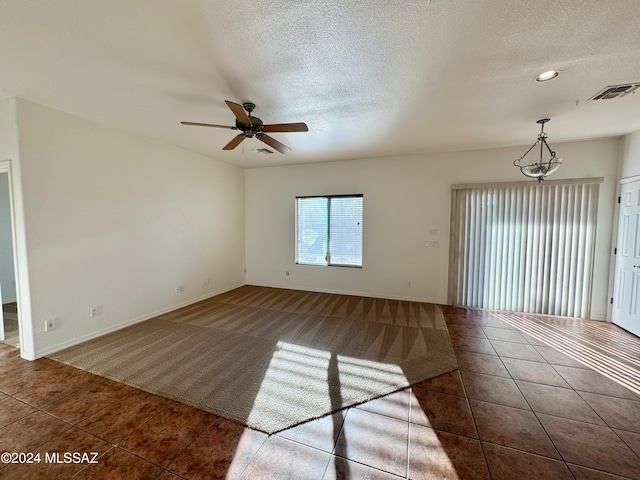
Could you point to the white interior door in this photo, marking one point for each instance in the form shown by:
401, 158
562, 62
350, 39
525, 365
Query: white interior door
626, 290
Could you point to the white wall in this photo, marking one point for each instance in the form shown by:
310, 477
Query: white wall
7, 274
117, 221
630, 165
404, 199
8, 130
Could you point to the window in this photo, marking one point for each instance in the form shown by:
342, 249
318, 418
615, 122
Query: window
329, 230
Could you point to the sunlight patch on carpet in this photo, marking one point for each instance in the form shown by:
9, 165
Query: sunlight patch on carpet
299, 376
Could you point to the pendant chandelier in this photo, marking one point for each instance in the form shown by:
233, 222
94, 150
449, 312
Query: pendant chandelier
539, 168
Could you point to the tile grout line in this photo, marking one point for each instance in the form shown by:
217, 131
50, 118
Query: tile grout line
545, 430
623, 440
87, 466
253, 456
76, 426
594, 339
183, 450
137, 427
573, 349
352, 460
577, 392
38, 410
552, 365
118, 447
534, 412
536, 416
332, 456
475, 424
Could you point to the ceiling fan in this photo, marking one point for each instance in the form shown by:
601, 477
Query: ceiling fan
253, 127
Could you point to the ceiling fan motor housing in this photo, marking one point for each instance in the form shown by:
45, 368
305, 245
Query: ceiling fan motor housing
251, 130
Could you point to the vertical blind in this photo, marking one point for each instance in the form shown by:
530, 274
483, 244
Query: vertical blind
524, 247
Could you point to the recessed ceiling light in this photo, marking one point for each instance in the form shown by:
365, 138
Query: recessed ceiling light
548, 75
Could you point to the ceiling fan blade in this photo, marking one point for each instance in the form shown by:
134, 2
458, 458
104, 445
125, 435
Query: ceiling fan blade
286, 127
272, 142
237, 140
238, 111
208, 125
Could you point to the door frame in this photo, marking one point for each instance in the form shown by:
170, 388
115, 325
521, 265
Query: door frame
5, 167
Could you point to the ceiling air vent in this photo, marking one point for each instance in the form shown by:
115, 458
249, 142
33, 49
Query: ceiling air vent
615, 91
264, 151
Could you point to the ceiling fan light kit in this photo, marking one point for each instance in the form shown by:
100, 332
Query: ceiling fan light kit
539, 168
251, 127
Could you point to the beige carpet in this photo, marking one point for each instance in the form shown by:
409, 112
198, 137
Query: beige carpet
272, 358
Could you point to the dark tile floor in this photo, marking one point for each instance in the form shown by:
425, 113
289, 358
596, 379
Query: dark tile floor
516, 409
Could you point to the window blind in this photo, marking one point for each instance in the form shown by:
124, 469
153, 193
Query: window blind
345, 227
329, 230
526, 248
312, 227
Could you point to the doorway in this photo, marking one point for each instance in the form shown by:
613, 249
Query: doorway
626, 290
9, 323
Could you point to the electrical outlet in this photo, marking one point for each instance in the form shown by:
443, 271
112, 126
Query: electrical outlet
207, 281
93, 311
287, 273
179, 289
409, 283
50, 325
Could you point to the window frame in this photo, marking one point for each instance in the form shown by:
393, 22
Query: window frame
329, 263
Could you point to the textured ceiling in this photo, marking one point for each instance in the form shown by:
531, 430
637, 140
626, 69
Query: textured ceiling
370, 78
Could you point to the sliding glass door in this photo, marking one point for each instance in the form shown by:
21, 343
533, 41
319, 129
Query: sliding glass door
524, 247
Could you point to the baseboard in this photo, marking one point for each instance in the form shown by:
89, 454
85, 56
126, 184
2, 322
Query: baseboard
127, 323
356, 294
